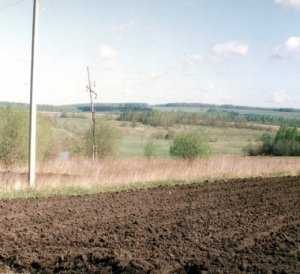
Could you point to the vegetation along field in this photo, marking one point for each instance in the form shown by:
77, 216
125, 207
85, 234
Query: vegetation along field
137, 139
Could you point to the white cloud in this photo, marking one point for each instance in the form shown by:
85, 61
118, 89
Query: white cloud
107, 52
293, 44
280, 98
289, 3
231, 48
288, 49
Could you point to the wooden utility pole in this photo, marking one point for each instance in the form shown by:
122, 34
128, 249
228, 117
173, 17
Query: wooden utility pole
33, 107
93, 97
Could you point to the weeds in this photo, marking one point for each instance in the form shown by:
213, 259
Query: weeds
80, 177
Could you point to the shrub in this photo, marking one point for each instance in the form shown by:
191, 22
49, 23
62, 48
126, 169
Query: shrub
14, 137
267, 144
285, 143
149, 149
107, 140
252, 149
189, 146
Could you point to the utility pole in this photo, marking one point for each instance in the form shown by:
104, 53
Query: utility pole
93, 97
33, 107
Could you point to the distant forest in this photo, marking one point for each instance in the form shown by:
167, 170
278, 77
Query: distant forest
211, 117
188, 113
143, 106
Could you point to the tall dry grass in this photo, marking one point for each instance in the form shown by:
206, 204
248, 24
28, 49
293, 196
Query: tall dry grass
114, 173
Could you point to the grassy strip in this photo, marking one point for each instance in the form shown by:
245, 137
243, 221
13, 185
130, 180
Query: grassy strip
81, 191
47, 192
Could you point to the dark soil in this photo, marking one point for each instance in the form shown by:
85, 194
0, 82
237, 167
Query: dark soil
241, 226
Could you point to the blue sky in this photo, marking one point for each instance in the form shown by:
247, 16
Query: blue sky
215, 51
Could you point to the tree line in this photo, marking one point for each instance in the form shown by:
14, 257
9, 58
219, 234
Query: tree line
211, 117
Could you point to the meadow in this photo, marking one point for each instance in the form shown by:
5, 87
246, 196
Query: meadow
222, 140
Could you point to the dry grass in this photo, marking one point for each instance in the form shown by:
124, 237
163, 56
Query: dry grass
87, 177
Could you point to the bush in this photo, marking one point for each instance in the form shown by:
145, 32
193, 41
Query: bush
267, 144
253, 149
189, 146
285, 143
107, 140
14, 137
150, 149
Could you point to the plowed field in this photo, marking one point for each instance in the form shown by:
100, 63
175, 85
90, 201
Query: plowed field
241, 226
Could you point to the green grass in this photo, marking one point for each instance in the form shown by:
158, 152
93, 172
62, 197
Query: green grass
73, 125
82, 191
133, 146
76, 191
230, 141
222, 140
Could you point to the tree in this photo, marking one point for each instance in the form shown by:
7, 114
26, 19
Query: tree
189, 146
14, 137
107, 140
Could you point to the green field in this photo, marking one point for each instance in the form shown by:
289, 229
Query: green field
228, 141
222, 140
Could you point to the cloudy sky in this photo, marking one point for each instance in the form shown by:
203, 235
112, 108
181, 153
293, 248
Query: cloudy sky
216, 51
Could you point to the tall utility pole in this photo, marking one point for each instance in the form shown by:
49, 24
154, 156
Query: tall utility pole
33, 107
93, 97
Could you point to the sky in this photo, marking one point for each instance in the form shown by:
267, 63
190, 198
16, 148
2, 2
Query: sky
242, 52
